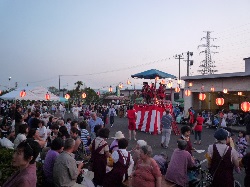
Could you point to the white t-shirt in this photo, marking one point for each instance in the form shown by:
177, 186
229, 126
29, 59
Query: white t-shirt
43, 132
19, 139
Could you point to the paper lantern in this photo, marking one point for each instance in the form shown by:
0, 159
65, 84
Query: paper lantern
22, 93
47, 96
156, 78
169, 84
212, 89
225, 90
110, 89
120, 86
239, 93
202, 96
84, 95
0, 92
162, 81
219, 101
128, 82
245, 106
177, 89
179, 81
67, 96
190, 84
98, 93
187, 92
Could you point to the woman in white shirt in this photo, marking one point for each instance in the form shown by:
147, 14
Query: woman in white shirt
42, 130
21, 136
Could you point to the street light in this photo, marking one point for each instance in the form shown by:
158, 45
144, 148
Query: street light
9, 82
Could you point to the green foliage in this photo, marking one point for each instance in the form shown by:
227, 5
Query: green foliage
5, 164
6, 168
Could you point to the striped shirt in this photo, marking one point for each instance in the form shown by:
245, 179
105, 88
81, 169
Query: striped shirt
84, 136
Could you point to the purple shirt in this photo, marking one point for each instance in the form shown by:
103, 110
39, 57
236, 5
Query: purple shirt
24, 178
49, 164
114, 146
180, 161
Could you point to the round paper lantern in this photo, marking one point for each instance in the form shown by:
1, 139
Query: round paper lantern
179, 81
47, 96
225, 90
202, 96
0, 92
22, 93
177, 89
84, 95
169, 84
67, 96
156, 78
219, 101
187, 92
98, 93
190, 84
120, 86
128, 82
162, 81
212, 89
245, 106
239, 93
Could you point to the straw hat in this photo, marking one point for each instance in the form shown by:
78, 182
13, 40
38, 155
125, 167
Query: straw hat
118, 135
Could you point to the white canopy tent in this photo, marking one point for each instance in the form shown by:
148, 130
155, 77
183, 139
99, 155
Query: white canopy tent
35, 93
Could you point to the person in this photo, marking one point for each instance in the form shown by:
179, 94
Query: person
65, 170
84, 133
42, 130
147, 172
185, 135
104, 113
24, 159
56, 149
241, 144
112, 114
166, 123
245, 162
75, 111
18, 118
34, 134
179, 163
68, 124
114, 145
136, 150
55, 132
21, 136
99, 154
191, 116
131, 115
79, 149
94, 120
222, 159
162, 161
198, 128
122, 160
63, 133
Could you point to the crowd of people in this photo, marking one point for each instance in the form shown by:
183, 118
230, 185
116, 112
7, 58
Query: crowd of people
63, 146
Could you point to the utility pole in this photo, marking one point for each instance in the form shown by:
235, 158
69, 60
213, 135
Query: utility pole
191, 61
207, 65
180, 56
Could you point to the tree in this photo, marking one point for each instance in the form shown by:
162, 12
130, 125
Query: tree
53, 89
78, 85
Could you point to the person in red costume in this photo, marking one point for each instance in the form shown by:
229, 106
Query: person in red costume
161, 92
131, 115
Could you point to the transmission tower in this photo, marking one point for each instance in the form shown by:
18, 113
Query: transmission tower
207, 65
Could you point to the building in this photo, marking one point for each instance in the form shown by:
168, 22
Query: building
237, 85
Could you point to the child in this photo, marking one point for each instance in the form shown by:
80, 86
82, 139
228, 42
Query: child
131, 115
241, 144
84, 133
198, 128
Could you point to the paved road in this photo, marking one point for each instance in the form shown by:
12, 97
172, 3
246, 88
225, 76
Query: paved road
154, 141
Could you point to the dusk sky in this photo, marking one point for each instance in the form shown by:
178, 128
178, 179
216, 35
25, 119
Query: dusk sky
105, 42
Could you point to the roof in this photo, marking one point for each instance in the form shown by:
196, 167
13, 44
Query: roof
215, 76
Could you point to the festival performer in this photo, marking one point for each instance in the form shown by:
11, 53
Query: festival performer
152, 92
145, 92
131, 115
161, 92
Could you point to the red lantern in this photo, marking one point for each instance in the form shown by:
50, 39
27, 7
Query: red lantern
22, 93
98, 93
67, 96
239, 93
177, 89
219, 101
84, 95
187, 92
225, 90
47, 96
202, 96
245, 106
212, 89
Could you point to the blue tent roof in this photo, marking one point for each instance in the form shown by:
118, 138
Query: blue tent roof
152, 74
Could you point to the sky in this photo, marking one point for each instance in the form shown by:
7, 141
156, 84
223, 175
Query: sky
104, 42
